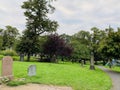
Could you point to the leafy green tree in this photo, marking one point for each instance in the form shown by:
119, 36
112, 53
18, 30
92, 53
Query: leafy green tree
1, 38
37, 23
36, 15
83, 37
9, 37
80, 41
81, 51
28, 45
110, 46
97, 36
95, 39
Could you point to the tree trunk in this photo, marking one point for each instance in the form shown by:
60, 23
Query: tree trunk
92, 67
104, 62
110, 63
62, 59
28, 57
84, 61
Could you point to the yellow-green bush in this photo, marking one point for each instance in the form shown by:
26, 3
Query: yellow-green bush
8, 53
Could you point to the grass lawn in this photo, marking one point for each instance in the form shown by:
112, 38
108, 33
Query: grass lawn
64, 74
115, 68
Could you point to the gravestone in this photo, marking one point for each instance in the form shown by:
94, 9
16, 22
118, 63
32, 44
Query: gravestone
82, 63
21, 57
32, 70
7, 63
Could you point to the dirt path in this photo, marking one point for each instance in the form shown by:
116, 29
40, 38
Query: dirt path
115, 76
34, 87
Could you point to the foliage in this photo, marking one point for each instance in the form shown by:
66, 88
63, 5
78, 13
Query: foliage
96, 37
8, 52
1, 38
1, 56
81, 41
4, 79
29, 44
36, 13
56, 46
16, 83
37, 23
9, 37
110, 46
83, 37
81, 51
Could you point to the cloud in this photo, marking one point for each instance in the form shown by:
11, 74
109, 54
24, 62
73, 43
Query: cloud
12, 14
85, 14
72, 16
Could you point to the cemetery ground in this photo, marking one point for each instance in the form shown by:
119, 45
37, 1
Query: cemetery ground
61, 74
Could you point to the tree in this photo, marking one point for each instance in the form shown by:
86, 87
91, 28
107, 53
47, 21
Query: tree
81, 51
9, 37
93, 45
80, 41
1, 38
36, 16
56, 46
110, 46
37, 23
29, 44
83, 37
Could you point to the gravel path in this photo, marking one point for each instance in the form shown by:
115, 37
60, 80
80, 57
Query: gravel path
115, 76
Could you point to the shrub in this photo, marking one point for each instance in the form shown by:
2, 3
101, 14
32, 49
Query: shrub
16, 83
4, 80
8, 52
1, 56
16, 58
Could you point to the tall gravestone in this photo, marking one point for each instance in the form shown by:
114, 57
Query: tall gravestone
7, 63
32, 70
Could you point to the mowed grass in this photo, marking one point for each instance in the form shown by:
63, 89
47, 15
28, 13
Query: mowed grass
115, 68
64, 74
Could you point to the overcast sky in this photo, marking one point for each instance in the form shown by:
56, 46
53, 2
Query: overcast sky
72, 15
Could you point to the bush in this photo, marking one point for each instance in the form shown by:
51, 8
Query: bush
8, 52
16, 83
1, 56
16, 58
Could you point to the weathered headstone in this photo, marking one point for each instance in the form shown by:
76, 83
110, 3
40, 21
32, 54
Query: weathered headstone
32, 70
7, 63
21, 57
82, 63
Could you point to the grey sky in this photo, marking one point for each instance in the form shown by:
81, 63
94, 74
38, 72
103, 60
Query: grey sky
72, 15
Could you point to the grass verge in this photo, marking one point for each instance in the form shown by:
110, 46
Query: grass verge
67, 74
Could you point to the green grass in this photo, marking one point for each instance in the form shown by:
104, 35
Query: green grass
67, 74
115, 68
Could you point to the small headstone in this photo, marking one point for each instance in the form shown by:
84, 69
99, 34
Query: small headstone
82, 63
21, 57
7, 63
32, 70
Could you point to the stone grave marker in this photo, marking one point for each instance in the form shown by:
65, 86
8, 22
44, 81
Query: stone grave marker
82, 63
21, 57
32, 70
7, 63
